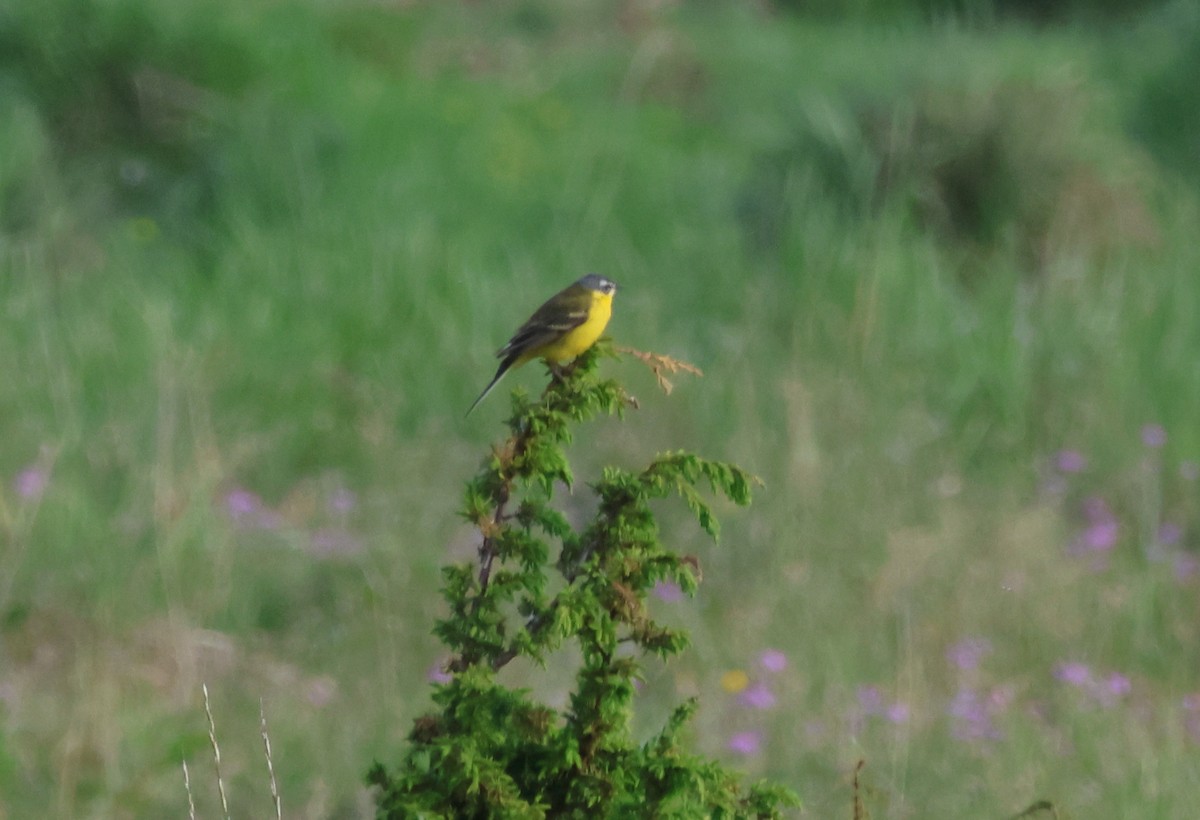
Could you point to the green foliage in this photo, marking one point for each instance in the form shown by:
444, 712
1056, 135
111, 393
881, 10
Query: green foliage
1166, 117
982, 11
493, 751
128, 102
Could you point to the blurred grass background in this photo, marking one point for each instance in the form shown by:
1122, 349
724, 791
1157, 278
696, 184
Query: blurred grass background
936, 258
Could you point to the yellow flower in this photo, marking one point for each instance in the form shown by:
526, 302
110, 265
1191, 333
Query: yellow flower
734, 681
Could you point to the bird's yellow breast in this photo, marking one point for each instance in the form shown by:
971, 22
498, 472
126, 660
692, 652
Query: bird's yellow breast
578, 339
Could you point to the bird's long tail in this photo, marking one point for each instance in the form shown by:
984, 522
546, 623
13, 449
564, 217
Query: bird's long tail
500, 371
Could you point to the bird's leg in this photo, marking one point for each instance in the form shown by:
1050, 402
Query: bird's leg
557, 371
568, 369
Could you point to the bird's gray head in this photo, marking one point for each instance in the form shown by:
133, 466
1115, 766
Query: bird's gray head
594, 281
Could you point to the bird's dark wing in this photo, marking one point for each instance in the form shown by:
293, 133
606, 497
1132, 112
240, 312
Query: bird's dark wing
558, 315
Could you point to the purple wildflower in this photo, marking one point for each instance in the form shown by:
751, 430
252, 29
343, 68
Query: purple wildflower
335, 541
1110, 690
966, 705
1191, 716
321, 691
1186, 566
757, 696
745, 743
1101, 536
1189, 471
1102, 531
1154, 435
870, 700
897, 713
772, 660
342, 500
438, 674
668, 591
241, 504
1001, 697
970, 718
1169, 534
1073, 673
1118, 685
968, 653
1070, 461
31, 482
247, 510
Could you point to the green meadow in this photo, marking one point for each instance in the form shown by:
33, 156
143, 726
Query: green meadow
939, 268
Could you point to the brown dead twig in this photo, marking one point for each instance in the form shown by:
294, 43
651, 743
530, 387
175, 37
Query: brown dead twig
1039, 806
660, 364
860, 812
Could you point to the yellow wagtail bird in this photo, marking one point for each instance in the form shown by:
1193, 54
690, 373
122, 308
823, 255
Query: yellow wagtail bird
569, 323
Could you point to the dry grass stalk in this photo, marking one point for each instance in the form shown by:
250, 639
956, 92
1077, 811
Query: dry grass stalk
266, 738
212, 738
187, 787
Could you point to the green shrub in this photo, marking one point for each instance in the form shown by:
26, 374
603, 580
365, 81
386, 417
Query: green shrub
1165, 116
1009, 168
492, 751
